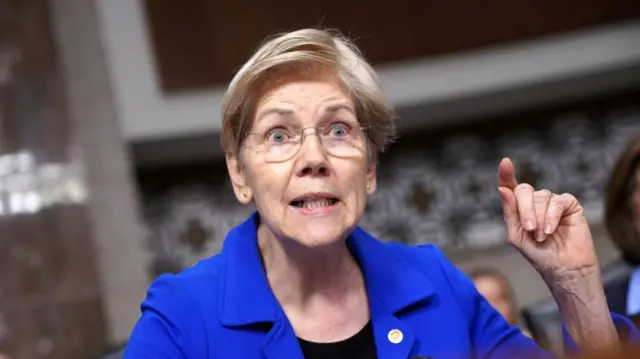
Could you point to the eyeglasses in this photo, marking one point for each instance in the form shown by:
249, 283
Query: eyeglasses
282, 143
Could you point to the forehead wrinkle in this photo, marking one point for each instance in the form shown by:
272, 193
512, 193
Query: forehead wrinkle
274, 111
279, 103
333, 108
275, 117
335, 105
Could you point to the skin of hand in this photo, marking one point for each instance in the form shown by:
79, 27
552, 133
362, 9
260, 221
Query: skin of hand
552, 233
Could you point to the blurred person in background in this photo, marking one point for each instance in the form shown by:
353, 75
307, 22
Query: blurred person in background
495, 288
303, 121
622, 219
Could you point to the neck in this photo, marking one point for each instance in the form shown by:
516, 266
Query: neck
300, 275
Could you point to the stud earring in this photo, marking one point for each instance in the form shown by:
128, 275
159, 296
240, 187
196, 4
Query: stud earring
368, 186
245, 194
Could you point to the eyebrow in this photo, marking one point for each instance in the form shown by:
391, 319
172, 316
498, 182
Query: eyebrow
338, 107
275, 111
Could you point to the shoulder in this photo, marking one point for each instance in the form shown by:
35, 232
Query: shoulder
414, 252
176, 313
448, 280
427, 258
183, 296
486, 327
190, 284
199, 276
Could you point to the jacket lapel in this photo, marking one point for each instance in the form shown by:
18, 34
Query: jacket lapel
394, 338
393, 286
281, 342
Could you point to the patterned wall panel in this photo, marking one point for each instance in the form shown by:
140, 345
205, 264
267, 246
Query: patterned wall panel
434, 187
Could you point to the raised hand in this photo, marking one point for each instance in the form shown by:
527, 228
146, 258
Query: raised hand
550, 230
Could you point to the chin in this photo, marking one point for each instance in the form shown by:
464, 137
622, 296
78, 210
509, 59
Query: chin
313, 231
320, 234
318, 241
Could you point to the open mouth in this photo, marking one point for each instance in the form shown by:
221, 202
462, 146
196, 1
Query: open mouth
311, 203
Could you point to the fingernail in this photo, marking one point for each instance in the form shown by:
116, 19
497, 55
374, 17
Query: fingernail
530, 225
548, 229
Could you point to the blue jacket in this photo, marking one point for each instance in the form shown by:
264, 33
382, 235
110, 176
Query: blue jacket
223, 308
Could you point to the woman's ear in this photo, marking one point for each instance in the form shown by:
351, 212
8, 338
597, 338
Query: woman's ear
238, 180
371, 176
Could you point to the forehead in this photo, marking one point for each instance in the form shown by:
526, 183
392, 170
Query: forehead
303, 94
306, 100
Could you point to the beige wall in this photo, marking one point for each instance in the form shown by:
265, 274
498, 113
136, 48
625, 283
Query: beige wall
527, 285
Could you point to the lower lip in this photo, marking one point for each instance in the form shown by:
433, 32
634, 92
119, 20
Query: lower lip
319, 211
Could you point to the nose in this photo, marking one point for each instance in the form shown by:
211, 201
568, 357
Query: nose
312, 160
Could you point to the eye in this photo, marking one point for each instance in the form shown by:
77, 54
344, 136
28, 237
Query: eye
339, 130
277, 135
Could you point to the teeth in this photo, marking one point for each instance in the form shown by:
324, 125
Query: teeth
316, 203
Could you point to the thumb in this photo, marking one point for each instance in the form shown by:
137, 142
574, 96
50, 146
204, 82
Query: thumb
511, 216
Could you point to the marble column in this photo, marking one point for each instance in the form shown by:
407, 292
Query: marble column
72, 260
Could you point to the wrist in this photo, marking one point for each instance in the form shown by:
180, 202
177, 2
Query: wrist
584, 310
583, 287
573, 278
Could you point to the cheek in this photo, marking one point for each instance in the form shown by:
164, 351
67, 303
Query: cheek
270, 181
354, 172
356, 184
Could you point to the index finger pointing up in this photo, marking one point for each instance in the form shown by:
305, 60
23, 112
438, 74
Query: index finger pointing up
507, 174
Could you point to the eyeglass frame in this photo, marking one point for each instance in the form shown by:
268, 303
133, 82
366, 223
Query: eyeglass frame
316, 132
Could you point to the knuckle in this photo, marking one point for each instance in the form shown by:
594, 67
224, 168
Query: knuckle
543, 194
523, 188
567, 198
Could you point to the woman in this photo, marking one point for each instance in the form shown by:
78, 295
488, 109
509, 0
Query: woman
303, 120
622, 218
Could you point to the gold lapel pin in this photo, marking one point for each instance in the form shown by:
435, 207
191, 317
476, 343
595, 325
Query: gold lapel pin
395, 336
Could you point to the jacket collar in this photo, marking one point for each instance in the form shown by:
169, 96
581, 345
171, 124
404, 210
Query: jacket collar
246, 298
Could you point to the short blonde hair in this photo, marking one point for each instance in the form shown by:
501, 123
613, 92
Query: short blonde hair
292, 53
